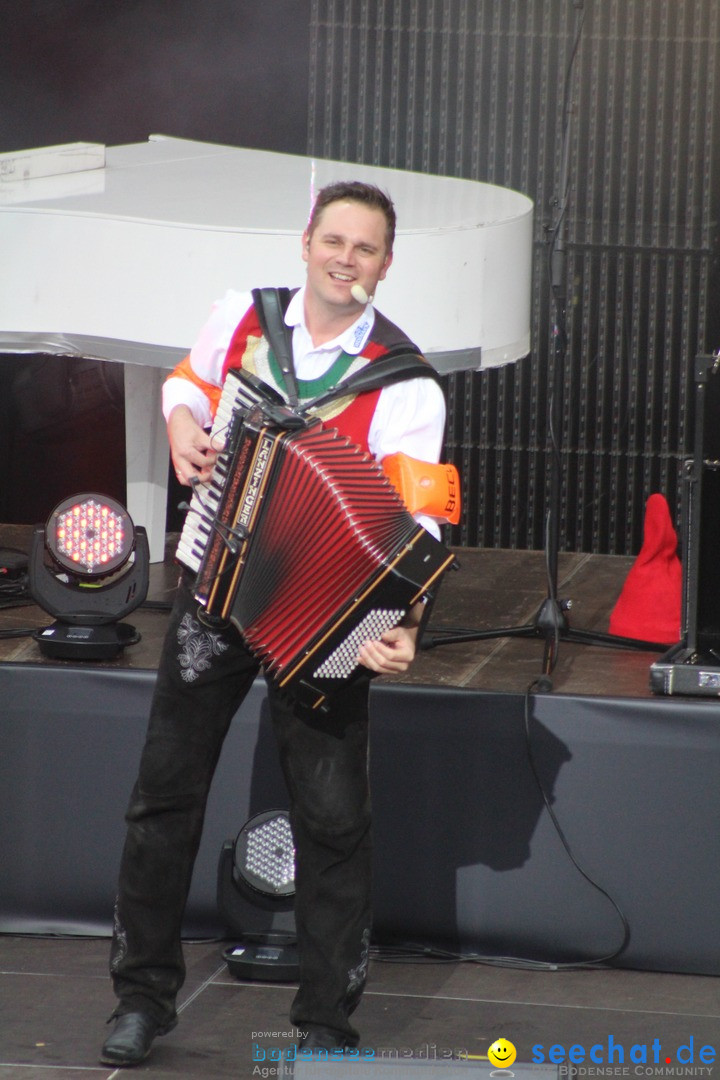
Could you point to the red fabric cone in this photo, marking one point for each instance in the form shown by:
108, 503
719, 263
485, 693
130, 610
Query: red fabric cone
649, 605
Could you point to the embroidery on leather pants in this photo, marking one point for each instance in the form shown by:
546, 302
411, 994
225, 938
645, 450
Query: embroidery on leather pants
358, 975
198, 648
119, 943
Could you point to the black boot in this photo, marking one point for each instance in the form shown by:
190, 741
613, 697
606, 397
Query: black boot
132, 1038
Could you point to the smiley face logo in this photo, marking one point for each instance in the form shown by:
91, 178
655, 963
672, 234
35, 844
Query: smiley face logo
502, 1054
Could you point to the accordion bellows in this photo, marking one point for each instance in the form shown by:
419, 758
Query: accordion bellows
302, 543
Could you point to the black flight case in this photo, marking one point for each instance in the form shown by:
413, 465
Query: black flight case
693, 665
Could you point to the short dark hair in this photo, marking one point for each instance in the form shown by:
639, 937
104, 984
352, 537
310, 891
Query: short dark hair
356, 191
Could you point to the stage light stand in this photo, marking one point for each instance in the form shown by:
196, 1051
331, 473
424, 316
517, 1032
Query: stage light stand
256, 895
88, 568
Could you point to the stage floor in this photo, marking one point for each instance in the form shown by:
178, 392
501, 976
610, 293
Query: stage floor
491, 590
57, 995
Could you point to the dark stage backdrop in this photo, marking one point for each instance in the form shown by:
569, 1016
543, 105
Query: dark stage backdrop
475, 88
224, 71
469, 88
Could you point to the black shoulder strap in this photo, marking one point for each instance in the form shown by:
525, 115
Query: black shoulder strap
271, 305
395, 366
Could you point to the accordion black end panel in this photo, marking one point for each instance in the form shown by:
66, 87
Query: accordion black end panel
304, 545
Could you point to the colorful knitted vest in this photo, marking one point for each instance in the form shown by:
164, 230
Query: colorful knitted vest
351, 415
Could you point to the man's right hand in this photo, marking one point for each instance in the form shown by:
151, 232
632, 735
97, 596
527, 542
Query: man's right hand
190, 446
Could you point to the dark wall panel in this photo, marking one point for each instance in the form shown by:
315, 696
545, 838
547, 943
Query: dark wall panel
470, 88
465, 855
480, 88
227, 71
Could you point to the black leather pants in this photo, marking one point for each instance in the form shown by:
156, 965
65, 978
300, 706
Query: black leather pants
204, 675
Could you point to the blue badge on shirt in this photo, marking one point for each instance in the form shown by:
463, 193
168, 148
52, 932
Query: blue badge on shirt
361, 330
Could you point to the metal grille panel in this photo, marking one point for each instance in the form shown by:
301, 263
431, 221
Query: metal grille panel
475, 88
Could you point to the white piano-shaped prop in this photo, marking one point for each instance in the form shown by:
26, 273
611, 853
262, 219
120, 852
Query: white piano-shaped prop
118, 254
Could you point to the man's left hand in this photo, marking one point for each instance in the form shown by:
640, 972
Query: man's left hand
392, 654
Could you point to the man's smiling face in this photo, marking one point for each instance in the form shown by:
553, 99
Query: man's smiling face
346, 247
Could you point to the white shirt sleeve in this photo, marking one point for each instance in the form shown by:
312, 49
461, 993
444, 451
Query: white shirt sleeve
177, 391
410, 419
207, 357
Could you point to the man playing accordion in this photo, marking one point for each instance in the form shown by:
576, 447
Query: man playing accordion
206, 670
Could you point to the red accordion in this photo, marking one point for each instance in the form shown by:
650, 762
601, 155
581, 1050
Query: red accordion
302, 542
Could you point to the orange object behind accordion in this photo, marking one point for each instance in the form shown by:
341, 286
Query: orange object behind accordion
303, 544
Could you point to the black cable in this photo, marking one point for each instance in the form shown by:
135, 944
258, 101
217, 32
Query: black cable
420, 954
14, 595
